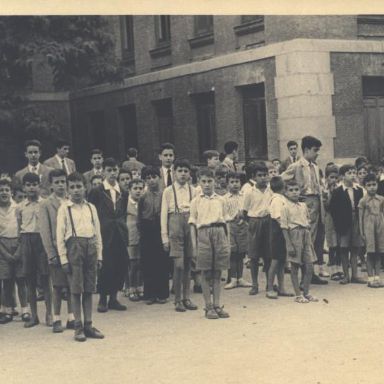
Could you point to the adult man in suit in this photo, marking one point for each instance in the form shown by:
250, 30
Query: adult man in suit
231, 154
293, 156
97, 162
111, 204
132, 163
61, 159
306, 173
166, 157
33, 153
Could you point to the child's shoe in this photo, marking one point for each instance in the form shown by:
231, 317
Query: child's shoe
57, 327
79, 332
271, 295
26, 317
301, 299
32, 322
189, 305
179, 306
210, 312
254, 290
197, 289
244, 283
335, 276
221, 313
6, 318
133, 296
232, 284
92, 332
372, 284
70, 324
311, 298
126, 292
358, 280
116, 305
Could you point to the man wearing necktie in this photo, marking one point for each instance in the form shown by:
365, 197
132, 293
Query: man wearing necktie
306, 173
61, 159
293, 156
166, 157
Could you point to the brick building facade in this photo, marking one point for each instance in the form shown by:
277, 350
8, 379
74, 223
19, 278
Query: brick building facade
199, 81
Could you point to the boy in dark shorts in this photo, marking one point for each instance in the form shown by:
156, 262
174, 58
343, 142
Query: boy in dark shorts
295, 225
175, 232
256, 210
80, 248
47, 217
210, 241
34, 258
10, 270
238, 231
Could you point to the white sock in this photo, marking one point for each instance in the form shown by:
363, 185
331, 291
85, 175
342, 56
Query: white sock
56, 317
24, 310
71, 317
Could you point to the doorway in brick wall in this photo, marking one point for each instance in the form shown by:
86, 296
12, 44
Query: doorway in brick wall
373, 100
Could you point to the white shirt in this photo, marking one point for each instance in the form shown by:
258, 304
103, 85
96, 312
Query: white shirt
84, 226
113, 189
8, 221
256, 202
60, 160
247, 187
277, 203
34, 168
350, 192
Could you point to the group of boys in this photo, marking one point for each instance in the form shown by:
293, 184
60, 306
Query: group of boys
139, 225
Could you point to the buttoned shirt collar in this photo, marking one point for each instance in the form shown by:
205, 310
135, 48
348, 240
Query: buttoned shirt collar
354, 186
213, 196
230, 194
134, 202
37, 166
180, 186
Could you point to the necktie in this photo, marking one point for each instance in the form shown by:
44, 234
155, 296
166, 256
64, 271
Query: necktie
234, 166
63, 165
169, 178
34, 170
293, 159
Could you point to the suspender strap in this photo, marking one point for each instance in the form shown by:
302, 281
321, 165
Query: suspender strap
72, 222
174, 195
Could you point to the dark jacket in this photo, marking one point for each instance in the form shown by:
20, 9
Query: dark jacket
340, 208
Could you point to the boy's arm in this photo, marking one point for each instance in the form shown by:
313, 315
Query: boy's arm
60, 235
164, 220
5, 254
99, 242
288, 242
46, 235
361, 217
289, 174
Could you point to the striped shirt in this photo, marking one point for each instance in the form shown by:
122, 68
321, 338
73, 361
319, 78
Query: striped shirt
233, 205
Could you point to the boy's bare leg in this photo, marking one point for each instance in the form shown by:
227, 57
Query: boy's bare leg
354, 257
216, 288
46, 286
187, 280
87, 306
280, 276
308, 272
22, 293
371, 266
31, 286
206, 287
234, 267
295, 278
271, 274
56, 299
178, 277
76, 306
345, 262
254, 267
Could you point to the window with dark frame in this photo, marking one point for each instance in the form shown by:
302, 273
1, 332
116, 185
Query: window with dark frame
96, 131
127, 41
206, 121
203, 25
164, 115
128, 125
163, 29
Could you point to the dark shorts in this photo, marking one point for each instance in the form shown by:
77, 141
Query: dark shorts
258, 238
82, 257
213, 249
179, 231
34, 258
58, 277
238, 232
277, 242
352, 238
10, 270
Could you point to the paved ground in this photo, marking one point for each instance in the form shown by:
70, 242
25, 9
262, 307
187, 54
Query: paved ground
264, 341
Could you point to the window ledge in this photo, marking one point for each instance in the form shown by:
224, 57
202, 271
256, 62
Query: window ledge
200, 41
250, 27
128, 58
163, 50
370, 19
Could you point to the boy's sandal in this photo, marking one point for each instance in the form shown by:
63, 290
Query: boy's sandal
6, 318
301, 299
311, 298
210, 313
285, 294
221, 313
26, 317
271, 295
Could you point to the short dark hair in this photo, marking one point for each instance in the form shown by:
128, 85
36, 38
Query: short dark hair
132, 152
291, 183
110, 162
61, 143
361, 160
291, 142
6, 182
205, 171
56, 173
370, 177
221, 171
135, 181
331, 169
35, 143
308, 142
30, 177
230, 146
124, 171
257, 166
76, 176
165, 146
276, 159
207, 155
233, 175
94, 177
96, 151
277, 184
345, 168
149, 170
181, 163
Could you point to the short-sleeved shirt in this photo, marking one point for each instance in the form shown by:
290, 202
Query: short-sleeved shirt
277, 203
28, 214
256, 202
8, 221
207, 210
233, 204
294, 215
